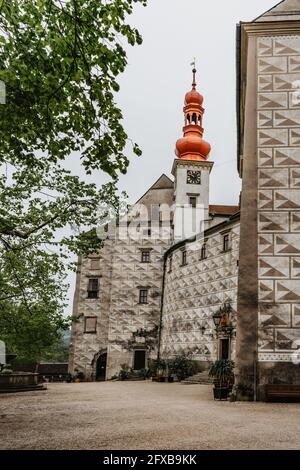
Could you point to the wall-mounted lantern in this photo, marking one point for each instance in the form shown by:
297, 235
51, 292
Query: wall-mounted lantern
222, 320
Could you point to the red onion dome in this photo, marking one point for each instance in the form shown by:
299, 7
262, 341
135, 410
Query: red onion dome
193, 97
192, 144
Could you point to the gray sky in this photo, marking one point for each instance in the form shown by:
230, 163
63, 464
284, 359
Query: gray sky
159, 74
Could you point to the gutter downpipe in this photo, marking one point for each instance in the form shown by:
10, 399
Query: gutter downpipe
161, 306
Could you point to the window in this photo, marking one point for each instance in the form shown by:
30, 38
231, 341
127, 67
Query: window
183, 261
193, 201
203, 251
95, 263
226, 242
143, 299
90, 324
170, 263
93, 288
147, 232
145, 256
155, 213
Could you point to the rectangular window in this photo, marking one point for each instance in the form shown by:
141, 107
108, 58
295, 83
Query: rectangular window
193, 201
147, 232
155, 213
143, 298
203, 251
93, 288
226, 242
95, 263
90, 324
183, 261
145, 256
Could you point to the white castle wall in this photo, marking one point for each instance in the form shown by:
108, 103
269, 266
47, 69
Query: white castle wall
86, 346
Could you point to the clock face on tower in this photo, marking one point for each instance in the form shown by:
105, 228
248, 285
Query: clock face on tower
193, 177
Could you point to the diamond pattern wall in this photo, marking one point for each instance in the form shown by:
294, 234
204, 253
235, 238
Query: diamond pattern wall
193, 293
278, 116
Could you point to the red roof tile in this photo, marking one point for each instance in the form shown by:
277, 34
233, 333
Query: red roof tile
223, 210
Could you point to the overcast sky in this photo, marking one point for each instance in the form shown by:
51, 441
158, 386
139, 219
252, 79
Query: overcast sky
159, 74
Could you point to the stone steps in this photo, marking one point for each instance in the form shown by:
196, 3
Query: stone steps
23, 388
200, 378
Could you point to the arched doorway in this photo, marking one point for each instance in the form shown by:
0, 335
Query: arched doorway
101, 367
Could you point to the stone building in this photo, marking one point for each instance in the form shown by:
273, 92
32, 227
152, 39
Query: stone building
268, 334
211, 281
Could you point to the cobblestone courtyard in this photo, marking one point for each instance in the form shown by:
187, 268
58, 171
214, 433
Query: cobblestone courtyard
142, 415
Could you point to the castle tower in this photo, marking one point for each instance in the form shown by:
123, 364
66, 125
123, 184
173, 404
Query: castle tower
191, 170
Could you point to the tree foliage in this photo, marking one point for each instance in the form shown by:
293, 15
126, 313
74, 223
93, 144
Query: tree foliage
60, 60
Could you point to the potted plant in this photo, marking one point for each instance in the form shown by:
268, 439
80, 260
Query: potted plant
182, 366
124, 373
222, 373
157, 368
80, 377
144, 374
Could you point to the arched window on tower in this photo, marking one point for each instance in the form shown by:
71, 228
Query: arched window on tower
194, 119
188, 119
199, 120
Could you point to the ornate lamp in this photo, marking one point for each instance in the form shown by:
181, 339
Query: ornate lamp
217, 318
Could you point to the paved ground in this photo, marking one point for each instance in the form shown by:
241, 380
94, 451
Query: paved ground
142, 415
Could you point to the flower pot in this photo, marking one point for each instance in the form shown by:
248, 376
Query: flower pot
221, 393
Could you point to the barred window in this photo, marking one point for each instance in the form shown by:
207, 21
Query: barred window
145, 256
143, 298
93, 288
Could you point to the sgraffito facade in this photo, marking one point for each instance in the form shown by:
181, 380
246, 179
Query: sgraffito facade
269, 289
196, 290
157, 296
132, 307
